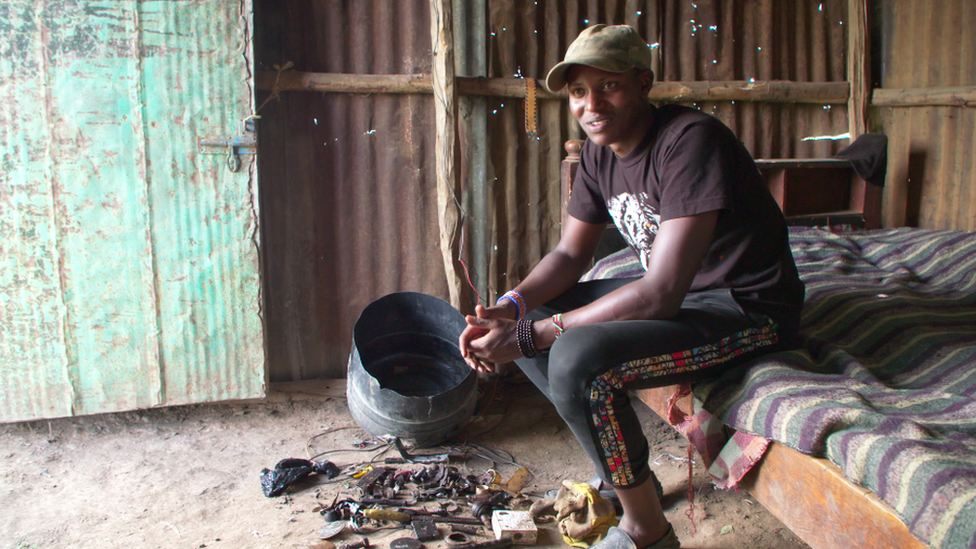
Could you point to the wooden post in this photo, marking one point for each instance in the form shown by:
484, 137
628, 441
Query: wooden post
857, 66
567, 175
445, 116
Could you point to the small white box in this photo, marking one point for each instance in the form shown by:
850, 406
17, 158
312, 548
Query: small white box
515, 525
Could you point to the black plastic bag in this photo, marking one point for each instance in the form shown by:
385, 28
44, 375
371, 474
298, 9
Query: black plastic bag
291, 470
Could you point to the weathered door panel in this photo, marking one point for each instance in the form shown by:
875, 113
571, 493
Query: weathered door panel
128, 260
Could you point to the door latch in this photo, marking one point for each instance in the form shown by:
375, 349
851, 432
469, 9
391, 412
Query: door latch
233, 147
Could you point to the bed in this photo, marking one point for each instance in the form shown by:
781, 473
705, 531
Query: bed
866, 435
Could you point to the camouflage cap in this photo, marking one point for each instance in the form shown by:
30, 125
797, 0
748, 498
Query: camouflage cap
614, 48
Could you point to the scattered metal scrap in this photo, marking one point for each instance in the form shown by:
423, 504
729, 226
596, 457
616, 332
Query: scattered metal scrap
394, 497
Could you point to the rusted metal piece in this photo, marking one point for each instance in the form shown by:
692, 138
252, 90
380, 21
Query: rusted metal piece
470, 530
418, 458
383, 501
504, 543
425, 530
369, 481
405, 543
458, 520
455, 539
359, 544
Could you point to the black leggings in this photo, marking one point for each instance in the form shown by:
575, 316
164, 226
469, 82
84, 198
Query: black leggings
590, 369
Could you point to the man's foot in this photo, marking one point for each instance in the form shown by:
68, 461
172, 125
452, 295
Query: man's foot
606, 490
618, 539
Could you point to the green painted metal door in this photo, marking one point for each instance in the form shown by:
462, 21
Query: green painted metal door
129, 272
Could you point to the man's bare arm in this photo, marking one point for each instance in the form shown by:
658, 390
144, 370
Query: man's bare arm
675, 258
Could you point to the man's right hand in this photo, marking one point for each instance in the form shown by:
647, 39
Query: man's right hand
476, 330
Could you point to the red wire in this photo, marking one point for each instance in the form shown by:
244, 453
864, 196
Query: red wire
690, 513
467, 275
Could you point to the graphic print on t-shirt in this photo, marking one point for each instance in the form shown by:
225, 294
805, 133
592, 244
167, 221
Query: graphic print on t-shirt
636, 220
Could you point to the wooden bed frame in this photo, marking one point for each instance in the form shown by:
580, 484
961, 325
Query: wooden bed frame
809, 495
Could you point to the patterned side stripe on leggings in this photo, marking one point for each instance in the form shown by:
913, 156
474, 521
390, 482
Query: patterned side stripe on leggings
601, 390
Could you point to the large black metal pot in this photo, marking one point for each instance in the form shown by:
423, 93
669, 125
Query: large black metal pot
406, 376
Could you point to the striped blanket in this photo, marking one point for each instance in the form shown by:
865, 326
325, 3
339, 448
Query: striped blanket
885, 385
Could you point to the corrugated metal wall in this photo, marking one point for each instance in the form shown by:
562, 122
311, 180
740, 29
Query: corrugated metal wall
348, 190
803, 41
932, 150
129, 273
349, 212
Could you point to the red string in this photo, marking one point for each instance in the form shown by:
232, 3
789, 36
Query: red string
467, 275
690, 513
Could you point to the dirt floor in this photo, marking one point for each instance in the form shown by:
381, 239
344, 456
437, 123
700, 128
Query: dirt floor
188, 477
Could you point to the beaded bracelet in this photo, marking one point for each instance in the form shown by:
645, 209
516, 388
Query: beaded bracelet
523, 338
557, 325
517, 299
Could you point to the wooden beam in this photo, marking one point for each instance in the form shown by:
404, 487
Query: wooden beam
963, 96
504, 87
857, 67
738, 90
445, 117
343, 83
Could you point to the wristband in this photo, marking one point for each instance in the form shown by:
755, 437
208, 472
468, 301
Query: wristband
557, 325
517, 299
523, 338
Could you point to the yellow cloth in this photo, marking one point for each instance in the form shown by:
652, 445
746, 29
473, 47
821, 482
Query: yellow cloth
583, 515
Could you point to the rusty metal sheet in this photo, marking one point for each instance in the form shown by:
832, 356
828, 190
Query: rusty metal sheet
349, 198
691, 41
349, 201
931, 150
129, 272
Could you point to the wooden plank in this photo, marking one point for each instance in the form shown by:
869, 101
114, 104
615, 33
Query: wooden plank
811, 496
763, 91
857, 66
445, 115
954, 96
768, 91
343, 83
736, 90
813, 499
794, 163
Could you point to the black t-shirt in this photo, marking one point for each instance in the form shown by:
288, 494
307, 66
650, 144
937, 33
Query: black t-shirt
690, 163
